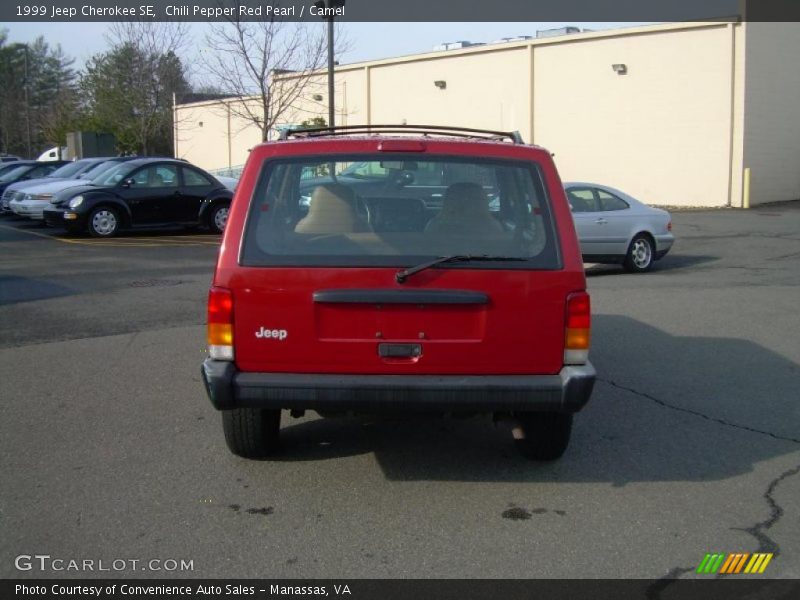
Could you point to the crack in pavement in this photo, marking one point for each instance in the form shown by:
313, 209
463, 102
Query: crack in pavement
792, 255
765, 543
653, 592
697, 413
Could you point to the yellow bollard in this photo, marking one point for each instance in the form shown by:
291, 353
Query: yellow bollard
746, 191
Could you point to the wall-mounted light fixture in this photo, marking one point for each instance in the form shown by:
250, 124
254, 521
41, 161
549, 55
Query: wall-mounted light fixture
620, 68
440, 83
317, 97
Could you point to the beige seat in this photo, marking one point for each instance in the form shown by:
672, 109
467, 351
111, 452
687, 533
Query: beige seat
465, 210
154, 179
332, 210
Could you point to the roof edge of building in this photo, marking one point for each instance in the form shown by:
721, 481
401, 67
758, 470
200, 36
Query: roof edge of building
499, 47
545, 41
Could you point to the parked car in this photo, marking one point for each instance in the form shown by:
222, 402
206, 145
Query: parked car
5, 158
25, 172
228, 182
615, 228
142, 192
30, 198
66, 171
7, 166
423, 302
395, 179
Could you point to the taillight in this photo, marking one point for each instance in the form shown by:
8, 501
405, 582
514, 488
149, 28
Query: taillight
669, 225
578, 329
220, 323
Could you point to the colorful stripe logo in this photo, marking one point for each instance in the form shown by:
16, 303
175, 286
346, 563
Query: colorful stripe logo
734, 563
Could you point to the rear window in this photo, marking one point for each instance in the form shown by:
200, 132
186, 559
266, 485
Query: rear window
395, 211
12, 174
68, 169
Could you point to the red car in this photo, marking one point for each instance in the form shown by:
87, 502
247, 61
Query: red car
383, 269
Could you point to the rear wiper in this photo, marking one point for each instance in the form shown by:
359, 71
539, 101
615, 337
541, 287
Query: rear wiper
401, 276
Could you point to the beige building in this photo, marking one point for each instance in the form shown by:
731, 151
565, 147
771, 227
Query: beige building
676, 115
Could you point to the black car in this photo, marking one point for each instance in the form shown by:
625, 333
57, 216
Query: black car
25, 170
142, 192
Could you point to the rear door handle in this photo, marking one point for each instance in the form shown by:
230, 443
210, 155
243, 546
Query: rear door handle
601, 221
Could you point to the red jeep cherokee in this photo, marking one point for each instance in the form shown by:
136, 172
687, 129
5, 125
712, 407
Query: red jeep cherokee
380, 269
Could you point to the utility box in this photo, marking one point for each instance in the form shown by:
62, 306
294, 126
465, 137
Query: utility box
87, 144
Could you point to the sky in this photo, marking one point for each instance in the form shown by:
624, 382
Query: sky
367, 41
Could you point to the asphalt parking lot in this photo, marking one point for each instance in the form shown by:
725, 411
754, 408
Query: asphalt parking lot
109, 448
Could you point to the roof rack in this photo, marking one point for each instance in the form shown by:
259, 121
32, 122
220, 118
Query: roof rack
424, 130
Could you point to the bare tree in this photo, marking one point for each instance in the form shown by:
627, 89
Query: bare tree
151, 37
249, 61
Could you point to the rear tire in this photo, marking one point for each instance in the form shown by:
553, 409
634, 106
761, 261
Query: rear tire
252, 432
218, 217
546, 435
641, 254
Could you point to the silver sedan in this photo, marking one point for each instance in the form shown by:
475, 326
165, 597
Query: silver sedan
614, 227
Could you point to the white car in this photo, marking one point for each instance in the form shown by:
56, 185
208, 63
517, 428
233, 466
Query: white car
78, 169
29, 199
228, 182
615, 228
32, 201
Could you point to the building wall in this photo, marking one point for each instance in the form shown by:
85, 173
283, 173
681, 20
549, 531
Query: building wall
661, 132
772, 111
351, 101
670, 131
201, 134
214, 135
486, 90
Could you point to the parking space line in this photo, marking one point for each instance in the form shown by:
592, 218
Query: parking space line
165, 240
38, 234
136, 243
133, 242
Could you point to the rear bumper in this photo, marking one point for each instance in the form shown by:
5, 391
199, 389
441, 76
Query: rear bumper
566, 392
663, 245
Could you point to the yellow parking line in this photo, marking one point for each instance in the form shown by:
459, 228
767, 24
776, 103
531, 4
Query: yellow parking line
41, 235
109, 243
140, 242
211, 238
154, 241
174, 239
159, 241
123, 244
